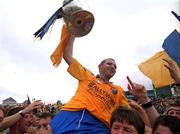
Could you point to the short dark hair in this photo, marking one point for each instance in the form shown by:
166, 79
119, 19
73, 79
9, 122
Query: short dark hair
105, 60
170, 106
14, 111
45, 115
125, 114
171, 122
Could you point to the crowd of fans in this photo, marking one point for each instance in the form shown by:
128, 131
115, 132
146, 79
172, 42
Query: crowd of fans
162, 103
143, 116
37, 119
98, 107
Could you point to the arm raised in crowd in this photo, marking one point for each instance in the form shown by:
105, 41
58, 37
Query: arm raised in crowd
143, 116
141, 112
173, 72
140, 92
68, 49
11, 120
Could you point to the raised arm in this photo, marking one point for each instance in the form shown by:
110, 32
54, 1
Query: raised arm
140, 92
173, 72
68, 50
11, 120
141, 112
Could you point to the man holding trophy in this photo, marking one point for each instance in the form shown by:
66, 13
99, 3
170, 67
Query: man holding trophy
89, 110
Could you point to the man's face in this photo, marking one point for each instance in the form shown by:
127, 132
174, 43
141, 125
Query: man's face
162, 130
174, 111
108, 68
45, 121
36, 120
123, 128
25, 122
1, 115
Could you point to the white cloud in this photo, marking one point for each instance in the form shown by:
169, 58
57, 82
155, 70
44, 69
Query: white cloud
128, 31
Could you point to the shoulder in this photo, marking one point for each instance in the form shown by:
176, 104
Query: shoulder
79, 71
117, 86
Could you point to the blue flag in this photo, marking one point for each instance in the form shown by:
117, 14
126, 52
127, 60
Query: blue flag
58, 14
175, 14
172, 46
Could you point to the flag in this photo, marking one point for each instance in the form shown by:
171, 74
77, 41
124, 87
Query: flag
172, 46
57, 55
58, 14
154, 69
28, 99
177, 17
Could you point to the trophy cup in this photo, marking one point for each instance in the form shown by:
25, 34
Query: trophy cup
78, 20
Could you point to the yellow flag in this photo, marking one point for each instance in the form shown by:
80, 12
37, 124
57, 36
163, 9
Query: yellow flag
154, 69
57, 55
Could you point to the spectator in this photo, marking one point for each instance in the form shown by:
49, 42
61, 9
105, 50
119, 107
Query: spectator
2, 113
173, 110
166, 125
141, 112
140, 92
174, 74
47, 130
125, 121
14, 118
21, 126
45, 118
33, 128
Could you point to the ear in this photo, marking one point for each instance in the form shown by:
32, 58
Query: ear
18, 122
99, 66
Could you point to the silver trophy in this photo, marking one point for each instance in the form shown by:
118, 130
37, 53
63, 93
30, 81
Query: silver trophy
78, 20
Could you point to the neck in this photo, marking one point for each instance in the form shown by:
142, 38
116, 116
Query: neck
106, 80
15, 130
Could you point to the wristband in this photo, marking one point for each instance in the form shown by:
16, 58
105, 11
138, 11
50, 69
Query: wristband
175, 85
178, 84
147, 105
20, 112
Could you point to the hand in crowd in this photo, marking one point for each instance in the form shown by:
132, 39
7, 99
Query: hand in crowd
138, 90
148, 130
172, 70
33, 105
141, 112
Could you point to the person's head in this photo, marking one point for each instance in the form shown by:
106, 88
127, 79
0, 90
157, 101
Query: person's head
107, 68
36, 120
45, 118
126, 121
24, 123
166, 124
2, 113
173, 110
